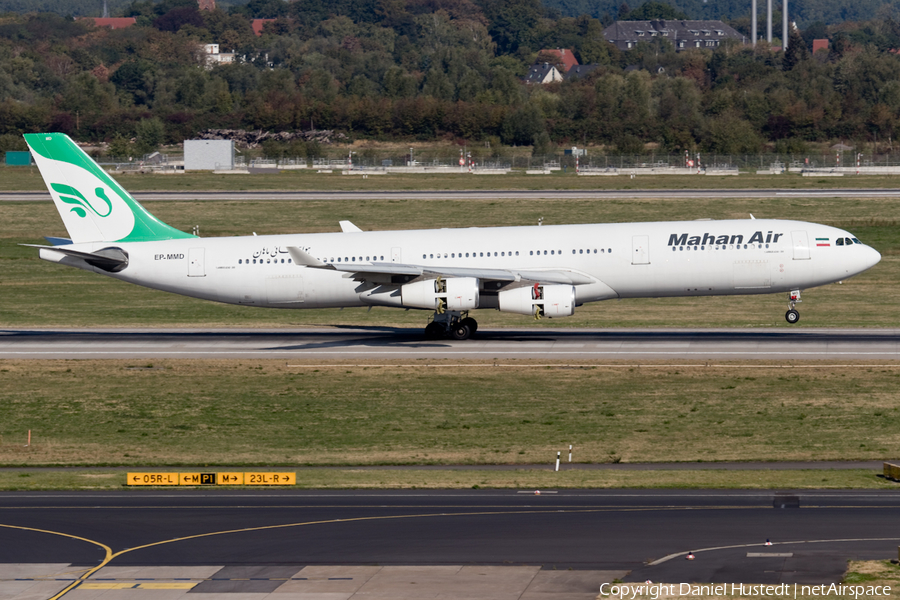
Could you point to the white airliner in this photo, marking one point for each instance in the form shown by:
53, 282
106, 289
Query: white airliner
535, 271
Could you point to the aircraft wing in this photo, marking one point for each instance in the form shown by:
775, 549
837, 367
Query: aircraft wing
360, 271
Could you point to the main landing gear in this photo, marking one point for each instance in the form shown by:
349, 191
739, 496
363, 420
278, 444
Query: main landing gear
451, 324
792, 315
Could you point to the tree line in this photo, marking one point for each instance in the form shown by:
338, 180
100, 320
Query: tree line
435, 69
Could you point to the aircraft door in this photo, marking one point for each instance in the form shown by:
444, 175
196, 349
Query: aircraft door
801, 245
396, 255
640, 250
197, 262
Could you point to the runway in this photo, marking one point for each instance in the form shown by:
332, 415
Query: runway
301, 195
780, 345
644, 533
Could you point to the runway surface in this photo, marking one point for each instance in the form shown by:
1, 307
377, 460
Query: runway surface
645, 532
42, 196
596, 345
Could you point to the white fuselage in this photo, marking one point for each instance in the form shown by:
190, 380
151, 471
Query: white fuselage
625, 260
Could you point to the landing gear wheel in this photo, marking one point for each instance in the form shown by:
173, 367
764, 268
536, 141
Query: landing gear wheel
471, 323
792, 316
460, 331
434, 331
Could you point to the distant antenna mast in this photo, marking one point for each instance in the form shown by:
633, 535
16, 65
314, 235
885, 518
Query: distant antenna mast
769, 22
784, 26
753, 20
105, 10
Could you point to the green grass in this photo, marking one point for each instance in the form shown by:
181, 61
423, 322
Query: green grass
28, 178
205, 412
530, 479
37, 293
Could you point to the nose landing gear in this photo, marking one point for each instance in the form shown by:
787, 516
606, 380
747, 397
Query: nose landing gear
792, 315
452, 324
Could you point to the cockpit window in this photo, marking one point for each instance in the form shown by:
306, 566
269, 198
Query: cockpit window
839, 242
856, 241
848, 241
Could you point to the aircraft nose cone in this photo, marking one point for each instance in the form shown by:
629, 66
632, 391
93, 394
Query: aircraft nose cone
871, 257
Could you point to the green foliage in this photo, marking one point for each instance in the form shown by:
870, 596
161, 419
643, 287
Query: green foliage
119, 147
542, 145
150, 135
653, 10
432, 68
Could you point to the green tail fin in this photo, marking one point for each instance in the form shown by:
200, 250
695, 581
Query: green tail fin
93, 206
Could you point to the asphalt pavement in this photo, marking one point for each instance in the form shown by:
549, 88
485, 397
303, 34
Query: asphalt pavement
647, 533
381, 343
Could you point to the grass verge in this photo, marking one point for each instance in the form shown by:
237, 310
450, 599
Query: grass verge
253, 412
523, 479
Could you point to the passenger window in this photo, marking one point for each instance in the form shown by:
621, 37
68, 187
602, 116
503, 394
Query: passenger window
239, 261
503, 254
581, 251
545, 253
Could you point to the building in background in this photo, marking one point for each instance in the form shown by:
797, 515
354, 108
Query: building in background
258, 24
208, 155
214, 57
563, 58
681, 33
543, 73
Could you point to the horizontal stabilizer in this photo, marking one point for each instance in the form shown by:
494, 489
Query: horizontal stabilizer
111, 260
55, 241
348, 227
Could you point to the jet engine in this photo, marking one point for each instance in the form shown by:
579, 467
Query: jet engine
456, 293
539, 301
